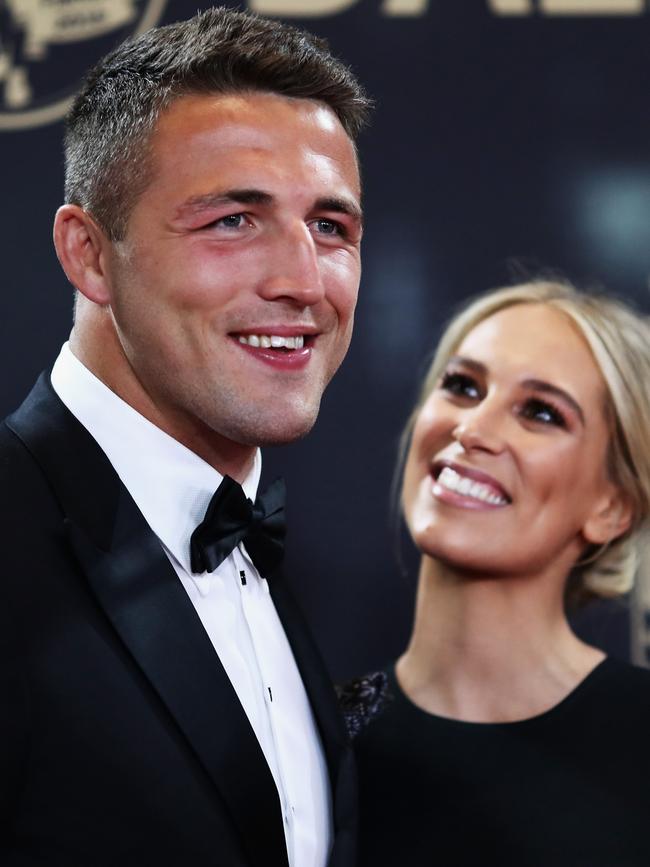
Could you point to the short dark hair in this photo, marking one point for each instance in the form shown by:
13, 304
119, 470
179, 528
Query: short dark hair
111, 120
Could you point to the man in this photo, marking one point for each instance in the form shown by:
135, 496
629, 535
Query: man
161, 701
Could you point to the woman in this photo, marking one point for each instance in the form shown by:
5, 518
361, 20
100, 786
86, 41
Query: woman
499, 737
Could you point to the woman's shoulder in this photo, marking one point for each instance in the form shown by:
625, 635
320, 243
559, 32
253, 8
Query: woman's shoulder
625, 678
616, 694
363, 699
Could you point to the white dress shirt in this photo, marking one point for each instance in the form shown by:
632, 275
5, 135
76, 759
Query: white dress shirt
172, 488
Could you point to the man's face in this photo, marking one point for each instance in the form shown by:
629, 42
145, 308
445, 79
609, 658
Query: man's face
248, 235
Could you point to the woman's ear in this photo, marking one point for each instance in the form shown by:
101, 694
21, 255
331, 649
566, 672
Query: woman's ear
81, 246
611, 516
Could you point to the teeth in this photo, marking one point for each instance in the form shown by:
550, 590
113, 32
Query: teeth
451, 480
274, 341
463, 486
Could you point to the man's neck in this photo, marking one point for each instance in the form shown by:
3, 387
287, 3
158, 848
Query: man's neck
229, 458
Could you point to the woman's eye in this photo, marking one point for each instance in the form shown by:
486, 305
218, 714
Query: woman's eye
460, 385
543, 412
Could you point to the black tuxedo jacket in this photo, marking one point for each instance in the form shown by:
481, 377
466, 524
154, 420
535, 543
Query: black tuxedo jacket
122, 741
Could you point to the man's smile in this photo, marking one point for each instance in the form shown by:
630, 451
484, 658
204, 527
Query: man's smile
283, 347
275, 341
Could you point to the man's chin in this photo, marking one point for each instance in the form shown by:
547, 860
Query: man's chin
261, 427
278, 435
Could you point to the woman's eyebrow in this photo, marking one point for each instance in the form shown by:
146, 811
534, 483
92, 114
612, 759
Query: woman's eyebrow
462, 360
547, 388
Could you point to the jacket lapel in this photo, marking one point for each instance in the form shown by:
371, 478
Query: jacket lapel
136, 586
338, 752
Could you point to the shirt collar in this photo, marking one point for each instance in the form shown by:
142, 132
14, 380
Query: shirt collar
170, 484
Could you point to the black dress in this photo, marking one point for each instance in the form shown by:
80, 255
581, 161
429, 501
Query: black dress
567, 788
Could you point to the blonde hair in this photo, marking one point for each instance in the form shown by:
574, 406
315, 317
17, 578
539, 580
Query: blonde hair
619, 339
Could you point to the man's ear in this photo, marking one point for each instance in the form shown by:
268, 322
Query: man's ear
81, 247
611, 516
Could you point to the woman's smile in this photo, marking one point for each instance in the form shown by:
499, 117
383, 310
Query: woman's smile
508, 460
467, 488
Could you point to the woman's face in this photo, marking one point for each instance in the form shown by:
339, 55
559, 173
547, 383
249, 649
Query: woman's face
506, 473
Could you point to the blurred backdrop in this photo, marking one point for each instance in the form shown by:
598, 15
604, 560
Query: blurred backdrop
510, 137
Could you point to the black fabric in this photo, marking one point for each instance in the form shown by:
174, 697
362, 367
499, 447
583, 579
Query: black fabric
569, 788
122, 741
363, 700
232, 518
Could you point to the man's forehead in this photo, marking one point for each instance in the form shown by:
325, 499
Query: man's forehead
242, 116
254, 134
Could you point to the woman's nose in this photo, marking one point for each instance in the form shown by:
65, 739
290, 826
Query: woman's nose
480, 428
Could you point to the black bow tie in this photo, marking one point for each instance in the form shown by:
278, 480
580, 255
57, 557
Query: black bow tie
232, 518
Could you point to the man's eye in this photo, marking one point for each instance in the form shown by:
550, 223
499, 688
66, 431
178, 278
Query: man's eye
543, 412
460, 385
232, 221
328, 227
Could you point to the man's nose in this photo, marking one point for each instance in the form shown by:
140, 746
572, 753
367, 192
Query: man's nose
294, 271
482, 428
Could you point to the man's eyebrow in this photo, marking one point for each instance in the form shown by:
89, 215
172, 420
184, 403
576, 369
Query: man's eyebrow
547, 388
340, 205
539, 385
196, 204
205, 201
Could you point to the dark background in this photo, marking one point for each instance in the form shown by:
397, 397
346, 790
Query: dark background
501, 145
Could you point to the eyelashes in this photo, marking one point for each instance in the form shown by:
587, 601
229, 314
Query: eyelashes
329, 227
532, 408
232, 224
543, 411
460, 385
